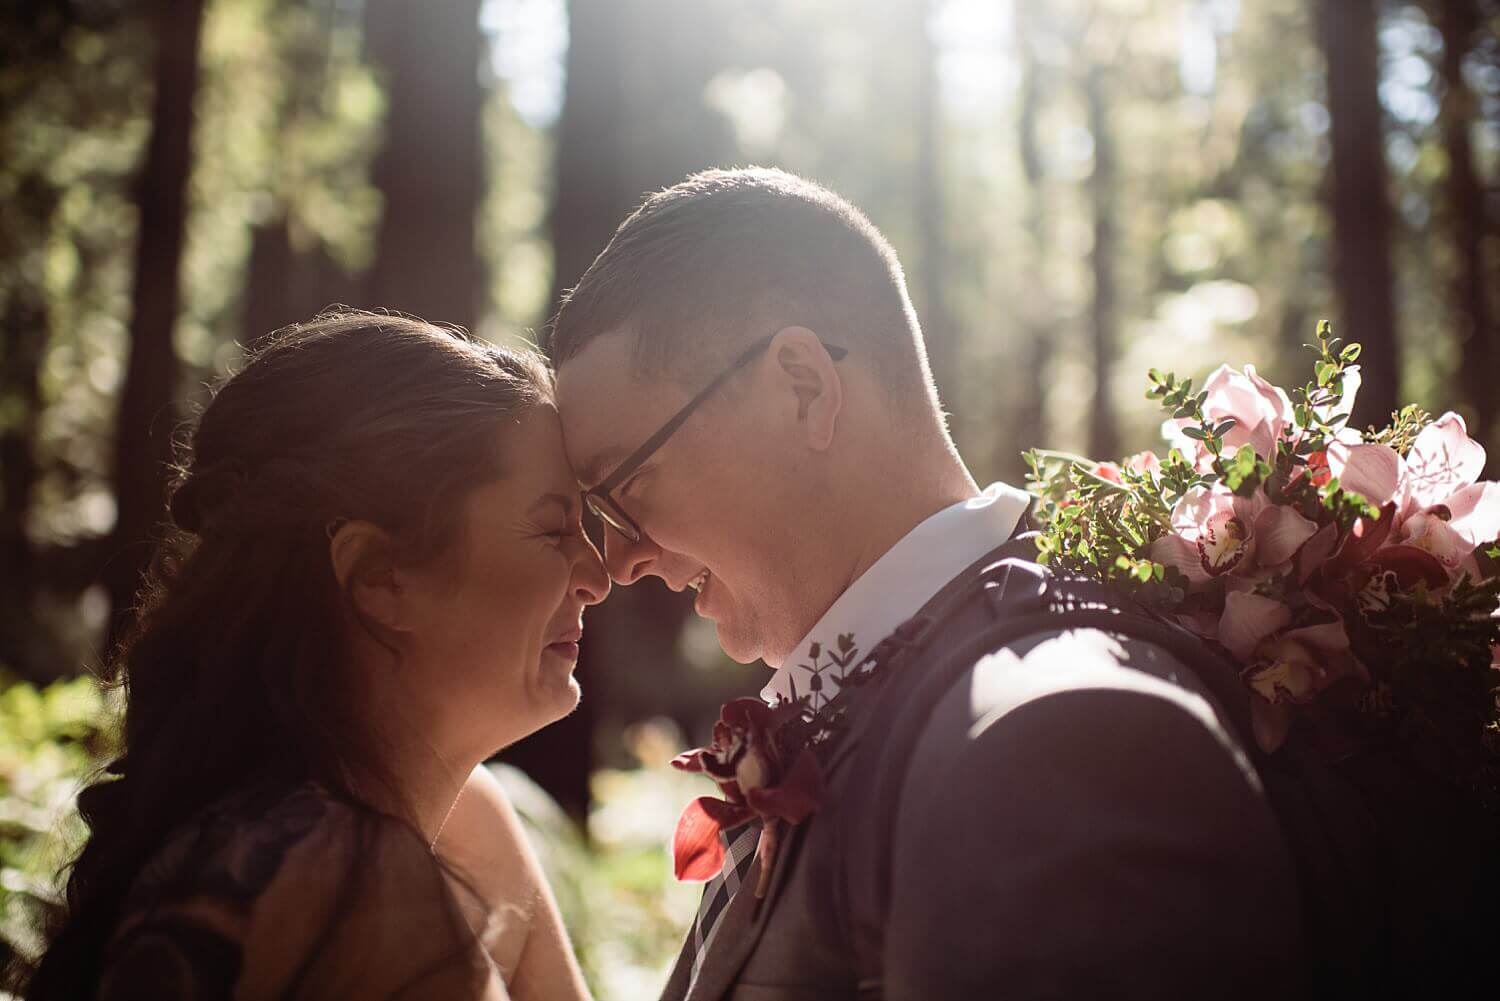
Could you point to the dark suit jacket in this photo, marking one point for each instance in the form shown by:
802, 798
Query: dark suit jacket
1079, 822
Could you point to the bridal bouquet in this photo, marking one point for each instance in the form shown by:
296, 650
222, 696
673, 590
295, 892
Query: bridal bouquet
1350, 575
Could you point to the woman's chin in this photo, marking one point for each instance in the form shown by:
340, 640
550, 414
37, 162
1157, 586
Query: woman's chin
557, 688
548, 702
550, 694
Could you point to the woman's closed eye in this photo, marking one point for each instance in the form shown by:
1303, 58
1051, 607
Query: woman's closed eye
555, 517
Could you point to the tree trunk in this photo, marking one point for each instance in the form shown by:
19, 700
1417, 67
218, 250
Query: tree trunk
590, 200
937, 324
430, 168
1362, 272
24, 331
1038, 328
147, 415
268, 303
632, 121
1104, 442
1479, 338
283, 286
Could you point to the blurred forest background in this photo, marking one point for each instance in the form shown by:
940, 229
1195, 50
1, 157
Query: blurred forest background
1079, 189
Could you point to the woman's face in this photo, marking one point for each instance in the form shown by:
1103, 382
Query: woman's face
495, 621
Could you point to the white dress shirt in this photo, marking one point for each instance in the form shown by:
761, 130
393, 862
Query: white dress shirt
894, 588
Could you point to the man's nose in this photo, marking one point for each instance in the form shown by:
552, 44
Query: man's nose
627, 561
590, 579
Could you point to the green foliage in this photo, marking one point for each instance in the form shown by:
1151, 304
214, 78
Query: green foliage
624, 911
1435, 657
1405, 425
1099, 527
1424, 652
1221, 245
1104, 527
50, 740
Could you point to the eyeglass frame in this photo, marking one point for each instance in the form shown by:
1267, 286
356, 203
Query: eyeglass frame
600, 498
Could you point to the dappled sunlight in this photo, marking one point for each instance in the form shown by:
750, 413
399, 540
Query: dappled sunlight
1077, 191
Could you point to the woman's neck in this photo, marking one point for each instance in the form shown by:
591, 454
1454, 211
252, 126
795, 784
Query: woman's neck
429, 788
408, 771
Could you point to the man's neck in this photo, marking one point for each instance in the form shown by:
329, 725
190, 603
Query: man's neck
904, 510
880, 500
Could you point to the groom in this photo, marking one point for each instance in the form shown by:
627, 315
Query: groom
746, 397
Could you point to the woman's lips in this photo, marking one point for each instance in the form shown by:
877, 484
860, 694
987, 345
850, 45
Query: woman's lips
566, 645
565, 648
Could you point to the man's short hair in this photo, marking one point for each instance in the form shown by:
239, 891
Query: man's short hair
724, 257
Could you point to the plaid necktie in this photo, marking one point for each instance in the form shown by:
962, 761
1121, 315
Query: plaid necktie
739, 852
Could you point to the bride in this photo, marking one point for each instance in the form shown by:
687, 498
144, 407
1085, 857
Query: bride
375, 579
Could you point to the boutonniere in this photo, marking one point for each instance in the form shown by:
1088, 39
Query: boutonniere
763, 764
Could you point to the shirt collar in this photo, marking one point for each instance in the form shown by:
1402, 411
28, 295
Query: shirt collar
894, 588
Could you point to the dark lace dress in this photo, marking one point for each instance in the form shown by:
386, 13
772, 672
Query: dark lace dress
296, 894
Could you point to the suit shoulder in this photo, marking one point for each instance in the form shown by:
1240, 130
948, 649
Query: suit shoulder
1087, 675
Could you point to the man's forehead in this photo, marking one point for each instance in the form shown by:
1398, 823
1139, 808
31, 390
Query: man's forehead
591, 469
603, 406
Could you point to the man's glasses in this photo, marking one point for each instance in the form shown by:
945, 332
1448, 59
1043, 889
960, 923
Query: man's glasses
600, 498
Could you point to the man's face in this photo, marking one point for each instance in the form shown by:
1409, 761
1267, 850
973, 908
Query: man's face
712, 503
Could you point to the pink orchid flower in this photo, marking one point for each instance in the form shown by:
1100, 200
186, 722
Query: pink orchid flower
1215, 532
1261, 412
1442, 460
1443, 509
1285, 667
1430, 499
1375, 472
1293, 668
1363, 570
1211, 534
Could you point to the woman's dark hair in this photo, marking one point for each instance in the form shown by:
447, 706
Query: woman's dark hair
231, 667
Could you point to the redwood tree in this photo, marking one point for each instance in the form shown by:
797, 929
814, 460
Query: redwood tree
937, 324
429, 170
1103, 188
1360, 203
1479, 338
1038, 323
633, 120
147, 413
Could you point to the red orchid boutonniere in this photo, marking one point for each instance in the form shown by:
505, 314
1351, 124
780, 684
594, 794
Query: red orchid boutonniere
763, 770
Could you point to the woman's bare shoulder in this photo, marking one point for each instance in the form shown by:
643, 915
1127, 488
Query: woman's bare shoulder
485, 841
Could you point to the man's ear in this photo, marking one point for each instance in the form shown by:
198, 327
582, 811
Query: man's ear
363, 559
805, 368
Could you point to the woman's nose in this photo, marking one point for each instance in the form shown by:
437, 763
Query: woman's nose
590, 581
